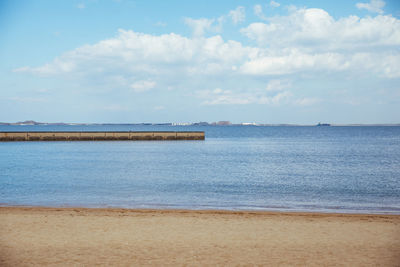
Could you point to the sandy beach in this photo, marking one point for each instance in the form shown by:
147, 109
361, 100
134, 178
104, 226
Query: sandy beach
79, 236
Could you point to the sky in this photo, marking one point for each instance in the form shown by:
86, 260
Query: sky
122, 61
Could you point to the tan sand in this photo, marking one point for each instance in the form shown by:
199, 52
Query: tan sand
78, 236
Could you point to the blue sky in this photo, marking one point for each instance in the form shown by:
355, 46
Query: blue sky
188, 61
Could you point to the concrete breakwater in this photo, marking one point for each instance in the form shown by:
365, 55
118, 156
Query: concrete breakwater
98, 136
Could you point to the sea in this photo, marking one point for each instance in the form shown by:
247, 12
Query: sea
329, 169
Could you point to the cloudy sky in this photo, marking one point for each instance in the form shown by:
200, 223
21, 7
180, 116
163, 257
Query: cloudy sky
188, 61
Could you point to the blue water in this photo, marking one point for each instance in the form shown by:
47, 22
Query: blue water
328, 169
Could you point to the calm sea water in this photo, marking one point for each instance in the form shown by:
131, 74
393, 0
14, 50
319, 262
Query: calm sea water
329, 169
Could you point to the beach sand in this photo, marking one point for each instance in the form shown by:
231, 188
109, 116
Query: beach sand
79, 236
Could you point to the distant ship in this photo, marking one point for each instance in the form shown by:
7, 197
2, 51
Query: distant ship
323, 124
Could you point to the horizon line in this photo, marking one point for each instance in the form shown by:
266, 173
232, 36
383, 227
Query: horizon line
201, 123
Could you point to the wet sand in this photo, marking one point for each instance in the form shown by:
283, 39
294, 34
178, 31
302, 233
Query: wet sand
79, 236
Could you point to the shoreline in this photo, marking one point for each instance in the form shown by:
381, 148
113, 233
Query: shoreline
211, 210
113, 236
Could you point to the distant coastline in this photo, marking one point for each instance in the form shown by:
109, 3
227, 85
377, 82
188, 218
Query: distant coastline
219, 123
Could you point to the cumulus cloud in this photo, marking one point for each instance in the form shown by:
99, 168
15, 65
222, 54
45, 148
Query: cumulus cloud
375, 6
305, 42
238, 15
384, 64
214, 25
295, 61
131, 54
311, 39
199, 26
315, 29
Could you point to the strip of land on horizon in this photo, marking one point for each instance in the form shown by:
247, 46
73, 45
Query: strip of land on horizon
80, 236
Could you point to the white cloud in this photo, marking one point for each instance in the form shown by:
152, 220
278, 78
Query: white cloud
258, 31
132, 54
294, 61
258, 11
276, 99
203, 25
238, 15
81, 6
374, 6
199, 26
229, 97
274, 4
214, 25
304, 43
384, 64
316, 29
218, 25
219, 96
57, 66
291, 62
142, 86
277, 85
